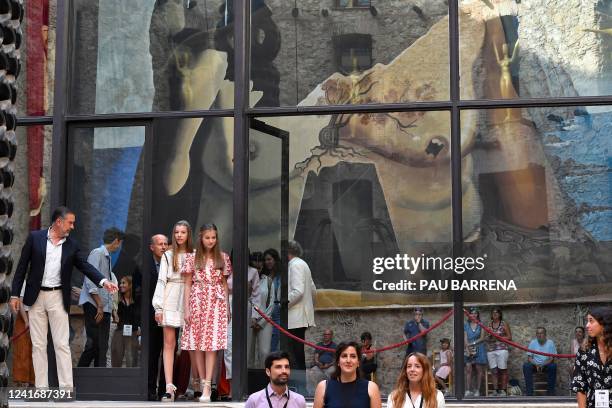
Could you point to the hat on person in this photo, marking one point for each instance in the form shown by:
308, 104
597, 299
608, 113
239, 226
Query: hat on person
418, 309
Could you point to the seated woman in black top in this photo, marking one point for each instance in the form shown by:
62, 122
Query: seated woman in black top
125, 337
345, 389
369, 361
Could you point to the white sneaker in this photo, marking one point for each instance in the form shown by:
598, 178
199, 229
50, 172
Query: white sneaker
469, 393
477, 393
493, 393
502, 393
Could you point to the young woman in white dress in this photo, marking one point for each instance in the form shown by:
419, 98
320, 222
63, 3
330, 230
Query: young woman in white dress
168, 298
415, 385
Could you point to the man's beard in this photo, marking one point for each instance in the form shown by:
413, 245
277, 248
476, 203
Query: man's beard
279, 380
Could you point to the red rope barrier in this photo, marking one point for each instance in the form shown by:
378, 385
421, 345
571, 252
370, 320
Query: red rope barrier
24, 331
392, 346
517, 345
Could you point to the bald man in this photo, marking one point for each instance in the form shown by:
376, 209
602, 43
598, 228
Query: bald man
158, 245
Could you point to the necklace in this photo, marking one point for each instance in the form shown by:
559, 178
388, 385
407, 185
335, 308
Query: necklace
412, 403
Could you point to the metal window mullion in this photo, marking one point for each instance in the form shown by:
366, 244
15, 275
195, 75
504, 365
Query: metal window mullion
456, 190
241, 12
115, 117
34, 120
58, 154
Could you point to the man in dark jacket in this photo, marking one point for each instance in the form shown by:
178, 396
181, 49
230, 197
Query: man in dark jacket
46, 263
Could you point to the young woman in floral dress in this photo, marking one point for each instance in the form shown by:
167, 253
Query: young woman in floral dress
206, 308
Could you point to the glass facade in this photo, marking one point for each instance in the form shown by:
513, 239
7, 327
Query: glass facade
319, 53
105, 180
427, 158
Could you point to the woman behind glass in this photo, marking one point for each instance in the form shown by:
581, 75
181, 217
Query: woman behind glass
125, 341
168, 298
593, 368
266, 336
578, 339
497, 353
415, 386
346, 389
476, 354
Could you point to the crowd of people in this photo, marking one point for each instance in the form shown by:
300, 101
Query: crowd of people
191, 309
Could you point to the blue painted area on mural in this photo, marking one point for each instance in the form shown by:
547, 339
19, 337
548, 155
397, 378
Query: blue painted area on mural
587, 140
115, 169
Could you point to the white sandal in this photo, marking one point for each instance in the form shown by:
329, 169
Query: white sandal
206, 390
170, 393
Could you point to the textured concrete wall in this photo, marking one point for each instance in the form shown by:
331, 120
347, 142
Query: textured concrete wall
386, 326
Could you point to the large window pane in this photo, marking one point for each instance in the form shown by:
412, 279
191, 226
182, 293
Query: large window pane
363, 190
193, 173
348, 52
540, 217
193, 180
536, 49
106, 180
146, 55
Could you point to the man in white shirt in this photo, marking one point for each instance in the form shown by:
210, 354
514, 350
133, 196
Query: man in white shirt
301, 309
46, 263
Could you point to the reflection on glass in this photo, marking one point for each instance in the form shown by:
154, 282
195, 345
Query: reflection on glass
541, 215
529, 53
396, 52
105, 180
349, 211
193, 180
542, 221
193, 174
541, 328
151, 56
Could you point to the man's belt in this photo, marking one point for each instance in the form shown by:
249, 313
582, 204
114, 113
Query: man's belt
48, 289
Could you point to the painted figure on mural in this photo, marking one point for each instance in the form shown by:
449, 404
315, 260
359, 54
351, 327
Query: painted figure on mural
502, 161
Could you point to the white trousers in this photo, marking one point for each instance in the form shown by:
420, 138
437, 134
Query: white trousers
260, 346
48, 310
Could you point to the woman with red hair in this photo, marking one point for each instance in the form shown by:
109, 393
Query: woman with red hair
415, 385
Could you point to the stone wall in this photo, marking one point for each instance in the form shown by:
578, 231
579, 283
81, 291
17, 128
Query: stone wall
386, 326
306, 56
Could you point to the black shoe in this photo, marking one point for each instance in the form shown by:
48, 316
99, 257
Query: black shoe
153, 397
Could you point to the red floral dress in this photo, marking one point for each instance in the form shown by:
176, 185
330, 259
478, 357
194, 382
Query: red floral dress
207, 328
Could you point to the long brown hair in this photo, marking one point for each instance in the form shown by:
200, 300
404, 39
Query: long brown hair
428, 384
188, 243
128, 279
603, 315
200, 256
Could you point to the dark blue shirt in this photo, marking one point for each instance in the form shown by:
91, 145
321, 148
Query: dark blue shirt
346, 395
411, 329
326, 357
